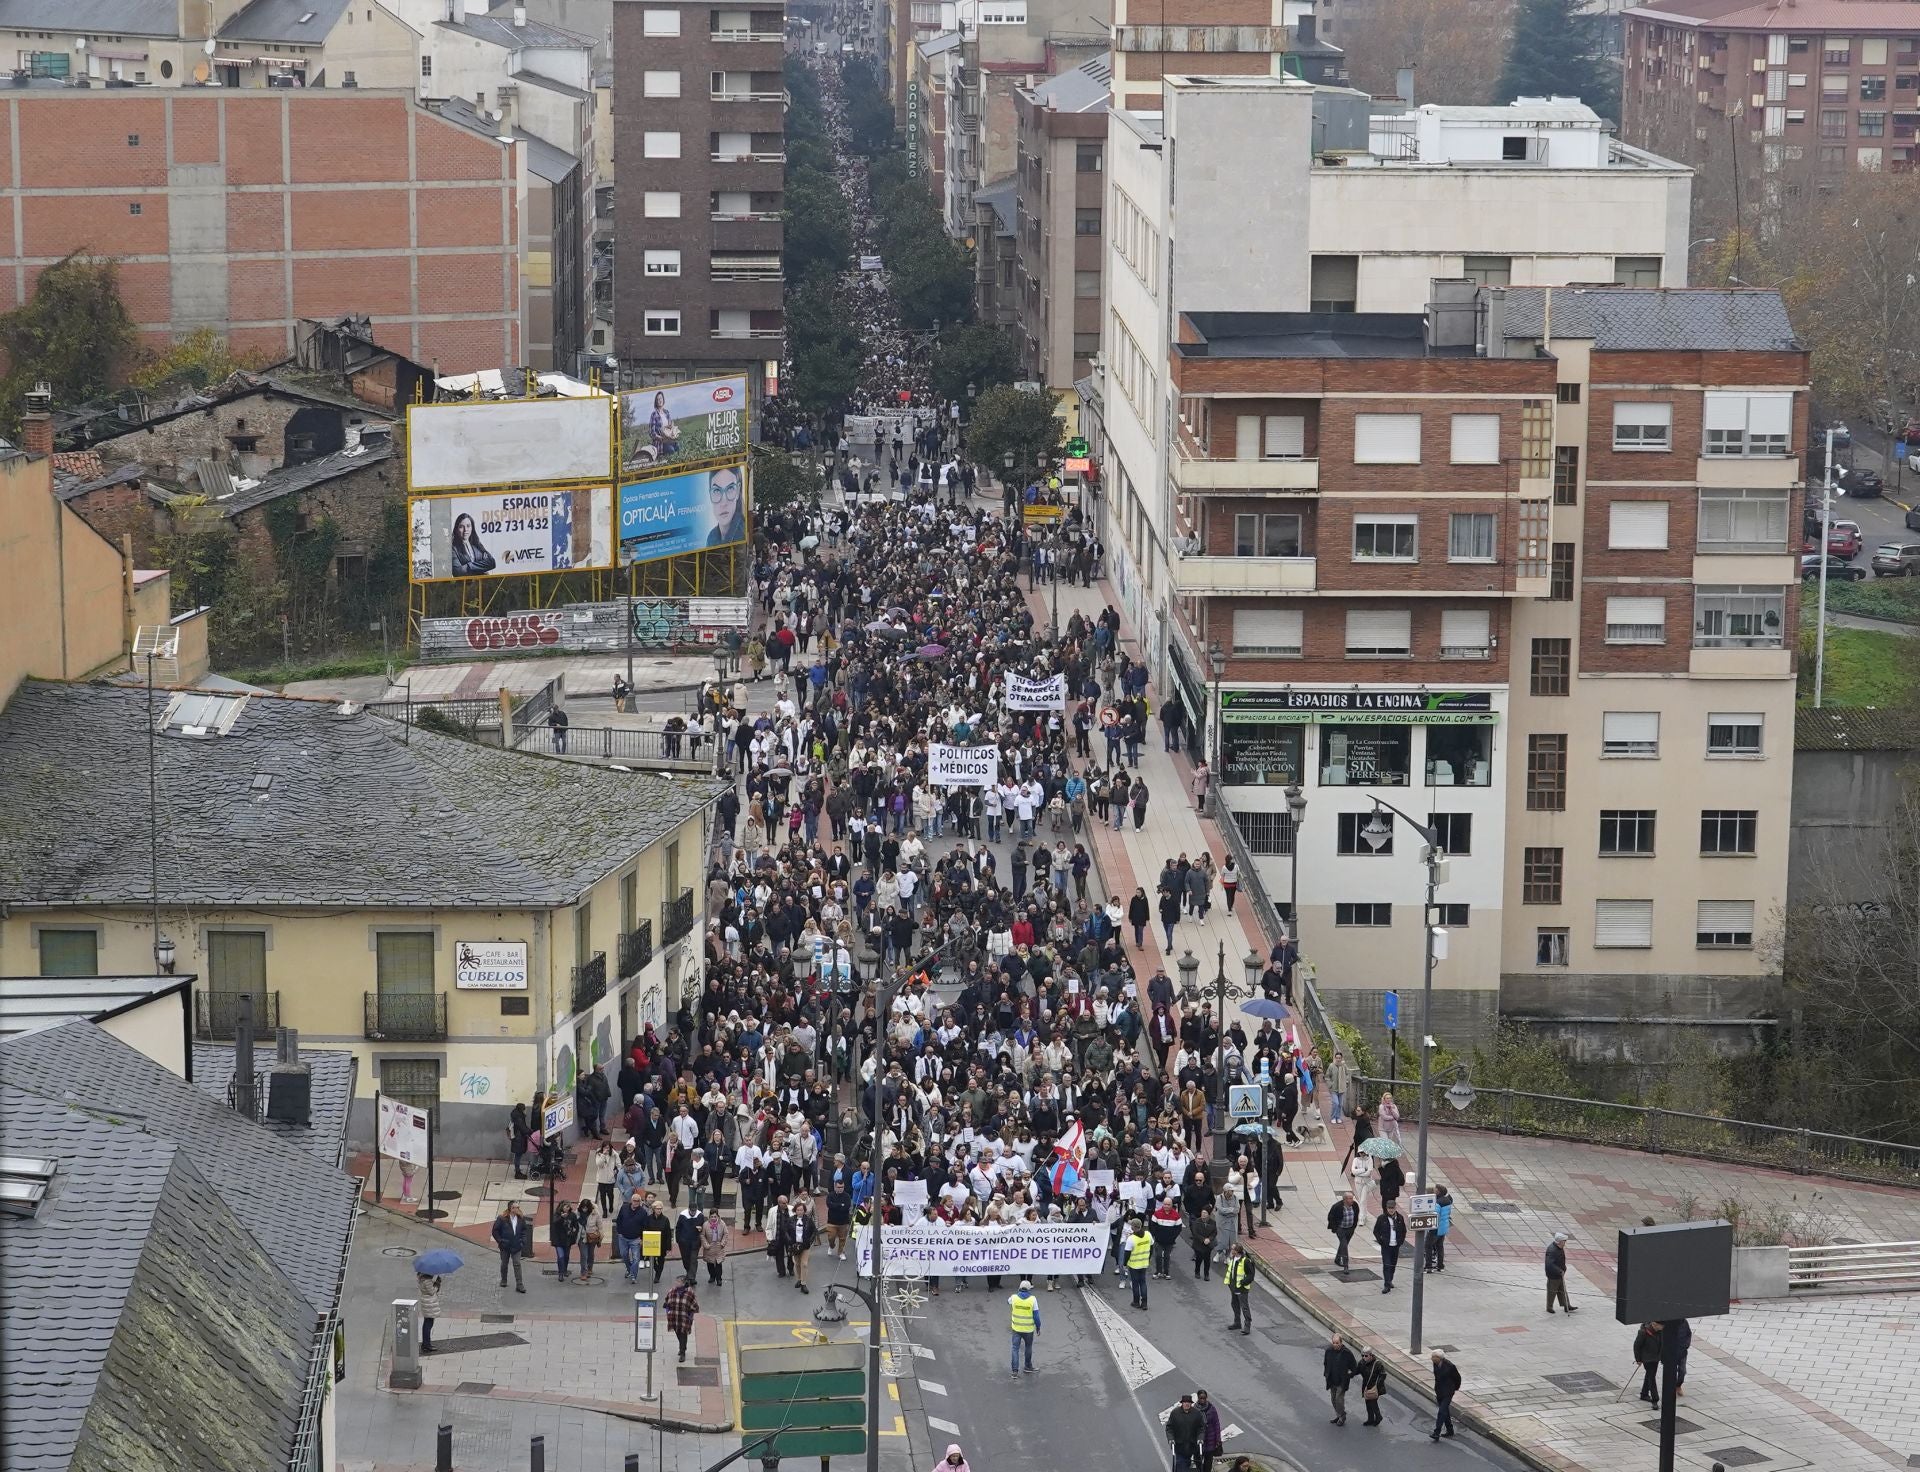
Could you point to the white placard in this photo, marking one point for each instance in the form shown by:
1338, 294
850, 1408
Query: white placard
1098, 1178
490, 965
1023, 694
911, 1198
962, 766
1027, 1249
1134, 1193
403, 1131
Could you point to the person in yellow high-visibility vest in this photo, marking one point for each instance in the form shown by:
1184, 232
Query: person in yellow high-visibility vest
1136, 1248
1025, 1323
1239, 1280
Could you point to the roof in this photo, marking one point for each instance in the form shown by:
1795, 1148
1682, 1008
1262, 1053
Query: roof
359, 811
1000, 198
297, 22
548, 162
941, 44
324, 1135
290, 479
31, 1002
71, 487
90, 17
1842, 728
551, 85
1769, 15
1656, 319
497, 27
1309, 335
1084, 88
85, 464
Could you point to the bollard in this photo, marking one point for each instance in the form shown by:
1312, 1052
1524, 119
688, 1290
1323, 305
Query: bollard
443, 1449
539, 1463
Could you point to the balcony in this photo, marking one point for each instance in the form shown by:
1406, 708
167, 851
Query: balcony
406, 1017
742, 332
747, 158
590, 981
737, 37
1193, 473
1200, 576
746, 96
676, 918
636, 949
215, 1014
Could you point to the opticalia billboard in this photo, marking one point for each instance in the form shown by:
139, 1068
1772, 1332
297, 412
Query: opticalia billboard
683, 424
672, 514
500, 534
508, 442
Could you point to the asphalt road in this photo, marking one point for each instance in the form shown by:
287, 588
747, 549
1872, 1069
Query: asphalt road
1106, 1375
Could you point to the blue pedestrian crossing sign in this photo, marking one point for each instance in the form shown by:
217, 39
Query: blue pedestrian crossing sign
1245, 1101
1390, 1011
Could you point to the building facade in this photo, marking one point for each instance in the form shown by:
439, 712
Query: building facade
700, 132
1218, 38
1061, 198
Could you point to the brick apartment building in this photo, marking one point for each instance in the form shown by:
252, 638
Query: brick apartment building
700, 133
248, 212
1768, 102
1060, 199
1537, 575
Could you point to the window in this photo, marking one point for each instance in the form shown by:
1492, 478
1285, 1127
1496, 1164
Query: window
1742, 520
1489, 270
1273, 535
1087, 158
1837, 51
1454, 830
661, 204
1642, 426
1270, 437
1379, 633
1255, 754
237, 962
1374, 915
1872, 89
1630, 733
1385, 538
1560, 574
1869, 164
1453, 917
659, 323
1724, 925
413, 1081
1872, 124
1540, 876
1386, 439
1470, 536
1636, 621
1513, 148
1636, 270
659, 22
661, 262
1266, 833
1086, 284
1833, 123
1086, 222
1728, 830
1550, 947
1365, 756
1459, 756
1566, 475
403, 962
1832, 158
1552, 667
1623, 924
1637, 525
1465, 633
1873, 51
660, 84
1738, 618
69, 952
1476, 439
1625, 831
1567, 393
133, 209
1350, 841
1333, 283
1547, 774
426, 66
1734, 735
660, 144
1747, 424
1267, 631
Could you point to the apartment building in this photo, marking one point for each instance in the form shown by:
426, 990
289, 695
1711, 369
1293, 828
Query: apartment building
1344, 207
926, 125
1221, 38
1060, 200
1771, 103
699, 111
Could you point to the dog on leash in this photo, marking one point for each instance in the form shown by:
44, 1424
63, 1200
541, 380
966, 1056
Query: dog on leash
1310, 1127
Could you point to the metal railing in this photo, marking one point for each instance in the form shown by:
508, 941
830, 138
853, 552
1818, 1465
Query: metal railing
636, 949
681, 750
1677, 1132
1253, 892
531, 714
417, 1017
676, 917
590, 981
215, 1013
1853, 1265
467, 710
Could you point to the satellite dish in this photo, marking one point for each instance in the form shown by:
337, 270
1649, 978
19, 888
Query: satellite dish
201, 71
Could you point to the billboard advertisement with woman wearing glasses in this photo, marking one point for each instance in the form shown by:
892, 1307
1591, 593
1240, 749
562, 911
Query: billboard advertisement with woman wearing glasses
675, 514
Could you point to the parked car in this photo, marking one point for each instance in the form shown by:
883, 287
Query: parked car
1910, 432
1844, 540
1842, 436
1896, 560
1838, 571
1862, 485
1913, 520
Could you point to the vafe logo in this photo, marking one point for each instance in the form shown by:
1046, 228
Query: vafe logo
723, 394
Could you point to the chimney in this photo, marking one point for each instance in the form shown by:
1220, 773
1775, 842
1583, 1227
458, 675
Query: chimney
1304, 30
290, 1084
1403, 84
36, 420
519, 17
241, 1094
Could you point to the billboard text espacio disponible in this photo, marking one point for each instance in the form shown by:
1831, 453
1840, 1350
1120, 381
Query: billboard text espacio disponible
499, 534
683, 424
672, 514
453, 447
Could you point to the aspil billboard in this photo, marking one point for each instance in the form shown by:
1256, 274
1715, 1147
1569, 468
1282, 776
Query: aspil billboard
499, 534
673, 514
683, 424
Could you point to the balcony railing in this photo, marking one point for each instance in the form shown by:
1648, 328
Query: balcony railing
216, 1013
731, 332
636, 949
590, 981
1203, 575
1197, 473
738, 35
410, 1017
747, 96
746, 273
676, 918
749, 215
748, 158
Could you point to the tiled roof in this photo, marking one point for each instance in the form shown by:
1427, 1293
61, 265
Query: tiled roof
331, 1095
1656, 319
372, 450
83, 463
359, 812
1770, 15
1844, 728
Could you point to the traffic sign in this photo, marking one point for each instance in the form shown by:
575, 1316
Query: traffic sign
813, 1395
806, 1385
559, 1115
1390, 1011
1246, 1101
847, 1441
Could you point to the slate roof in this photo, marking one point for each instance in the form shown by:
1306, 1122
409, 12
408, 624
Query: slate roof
1084, 88
1000, 199
92, 17
549, 162
69, 487
356, 815
147, 1328
29, 1002
280, 20
1662, 319
324, 1136
1840, 728
289, 479
497, 26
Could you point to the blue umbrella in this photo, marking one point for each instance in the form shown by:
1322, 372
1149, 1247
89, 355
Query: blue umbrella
1263, 1007
438, 1263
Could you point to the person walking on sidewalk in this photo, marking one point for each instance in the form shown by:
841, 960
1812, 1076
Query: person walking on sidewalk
1343, 1220
588, 1235
563, 1230
627, 1227
606, 1174
1169, 914
1173, 717
1556, 1265
1339, 1076
513, 1235
1646, 1354
426, 1289
1025, 1323
715, 1238
1137, 795
1373, 1385
1446, 1385
1139, 912
1238, 1276
1202, 779
1230, 881
1443, 1224
681, 1307
1390, 1231
1186, 1434
1339, 1367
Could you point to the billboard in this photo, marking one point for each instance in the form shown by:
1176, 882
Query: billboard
683, 424
503, 534
509, 442
672, 514
490, 965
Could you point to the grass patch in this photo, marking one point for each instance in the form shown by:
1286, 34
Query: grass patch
1864, 667
274, 676
1890, 598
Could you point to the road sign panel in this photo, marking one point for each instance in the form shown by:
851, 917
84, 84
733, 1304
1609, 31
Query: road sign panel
848, 1442
811, 1385
1245, 1101
778, 1359
1390, 1011
772, 1415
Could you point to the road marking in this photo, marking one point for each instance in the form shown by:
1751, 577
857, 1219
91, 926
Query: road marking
1229, 1433
1138, 1361
921, 1352
933, 1389
947, 1426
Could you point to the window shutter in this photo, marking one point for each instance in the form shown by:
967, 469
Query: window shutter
1623, 923
1381, 630
1636, 620
1661, 414
1476, 439
1246, 437
1286, 436
1465, 630
733, 145
1641, 524
1770, 414
1725, 915
1724, 411
1634, 731
1386, 439
1267, 630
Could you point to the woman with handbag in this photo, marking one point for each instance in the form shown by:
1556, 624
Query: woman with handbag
1373, 1385
590, 1235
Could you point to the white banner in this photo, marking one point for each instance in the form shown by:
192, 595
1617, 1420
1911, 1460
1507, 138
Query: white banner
1023, 694
933, 1250
963, 766
403, 1131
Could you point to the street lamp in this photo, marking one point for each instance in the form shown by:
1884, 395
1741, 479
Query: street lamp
1217, 658
1377, 833
1219, 991
1297, 805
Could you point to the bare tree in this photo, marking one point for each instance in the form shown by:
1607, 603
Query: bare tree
1458, 46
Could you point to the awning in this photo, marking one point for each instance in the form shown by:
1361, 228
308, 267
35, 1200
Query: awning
118, 53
